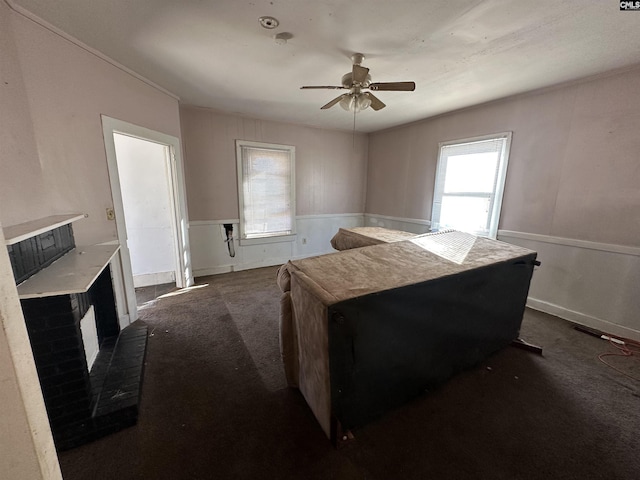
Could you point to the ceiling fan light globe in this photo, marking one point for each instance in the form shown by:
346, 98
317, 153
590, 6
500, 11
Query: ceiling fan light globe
347, 103
363, 102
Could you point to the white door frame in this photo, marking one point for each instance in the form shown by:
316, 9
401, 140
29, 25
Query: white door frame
184, 270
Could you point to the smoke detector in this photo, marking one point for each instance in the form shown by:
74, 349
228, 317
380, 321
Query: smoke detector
269, 22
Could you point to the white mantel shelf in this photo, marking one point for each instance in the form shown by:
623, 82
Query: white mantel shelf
75, 272
17, 233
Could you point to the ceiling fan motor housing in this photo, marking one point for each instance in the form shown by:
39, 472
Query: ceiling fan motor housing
347, 81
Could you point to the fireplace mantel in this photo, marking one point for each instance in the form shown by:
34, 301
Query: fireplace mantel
16, 233
75, 272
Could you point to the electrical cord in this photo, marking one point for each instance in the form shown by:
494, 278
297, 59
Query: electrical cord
626, 348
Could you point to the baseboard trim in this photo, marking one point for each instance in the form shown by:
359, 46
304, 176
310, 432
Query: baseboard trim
148, 279
583, 319
266, 263
203, 272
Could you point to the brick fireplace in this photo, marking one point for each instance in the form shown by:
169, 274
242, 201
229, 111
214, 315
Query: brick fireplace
90, 370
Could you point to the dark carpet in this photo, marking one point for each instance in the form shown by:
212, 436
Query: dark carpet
215, 406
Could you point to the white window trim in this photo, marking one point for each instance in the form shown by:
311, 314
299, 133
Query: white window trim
501, 176
266, 238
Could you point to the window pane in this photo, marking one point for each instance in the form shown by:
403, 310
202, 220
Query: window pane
474, 172
469, 183
468, 214
266, 191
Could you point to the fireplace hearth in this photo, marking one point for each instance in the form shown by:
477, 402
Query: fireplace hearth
90, 370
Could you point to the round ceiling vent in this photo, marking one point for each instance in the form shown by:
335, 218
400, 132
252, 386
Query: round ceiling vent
269, 22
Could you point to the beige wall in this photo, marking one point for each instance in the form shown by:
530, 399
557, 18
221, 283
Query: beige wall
330, 166
61, 164
53, 161
20, 169
572, 192
574, 169
26, 445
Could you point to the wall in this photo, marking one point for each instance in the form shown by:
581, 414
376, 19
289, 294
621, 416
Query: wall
19, 155
146, 195
63, 166
573, 174
595, 284
53, 161
331, 168
26, 445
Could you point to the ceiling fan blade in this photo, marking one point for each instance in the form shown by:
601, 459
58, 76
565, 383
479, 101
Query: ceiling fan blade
376, 103
331, 87
394, 86
359, 74
333, 102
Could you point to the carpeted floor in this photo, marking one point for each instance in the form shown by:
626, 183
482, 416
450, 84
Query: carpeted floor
215, 406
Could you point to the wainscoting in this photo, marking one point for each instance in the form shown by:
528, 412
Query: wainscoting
594, 284
413, 225
210, 255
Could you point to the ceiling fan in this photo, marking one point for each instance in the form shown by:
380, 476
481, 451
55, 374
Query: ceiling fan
357, 80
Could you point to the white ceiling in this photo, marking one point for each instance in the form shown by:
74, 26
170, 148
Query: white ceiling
214, 53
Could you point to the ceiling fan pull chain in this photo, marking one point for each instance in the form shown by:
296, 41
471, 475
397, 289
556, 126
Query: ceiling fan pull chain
354, 128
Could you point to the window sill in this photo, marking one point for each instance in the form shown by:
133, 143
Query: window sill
263, 240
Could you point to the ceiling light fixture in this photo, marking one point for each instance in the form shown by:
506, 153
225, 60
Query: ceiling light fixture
269, 22
355, 81
355, 102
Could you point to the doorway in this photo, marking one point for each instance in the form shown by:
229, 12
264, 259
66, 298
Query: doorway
149, 203
147, 199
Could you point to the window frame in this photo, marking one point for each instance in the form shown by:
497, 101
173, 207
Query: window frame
495, 198
266, 238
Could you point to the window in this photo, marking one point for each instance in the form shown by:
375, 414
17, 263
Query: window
469, 184
266, 189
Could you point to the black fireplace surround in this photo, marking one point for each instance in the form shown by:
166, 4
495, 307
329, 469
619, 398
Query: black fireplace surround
82, 404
